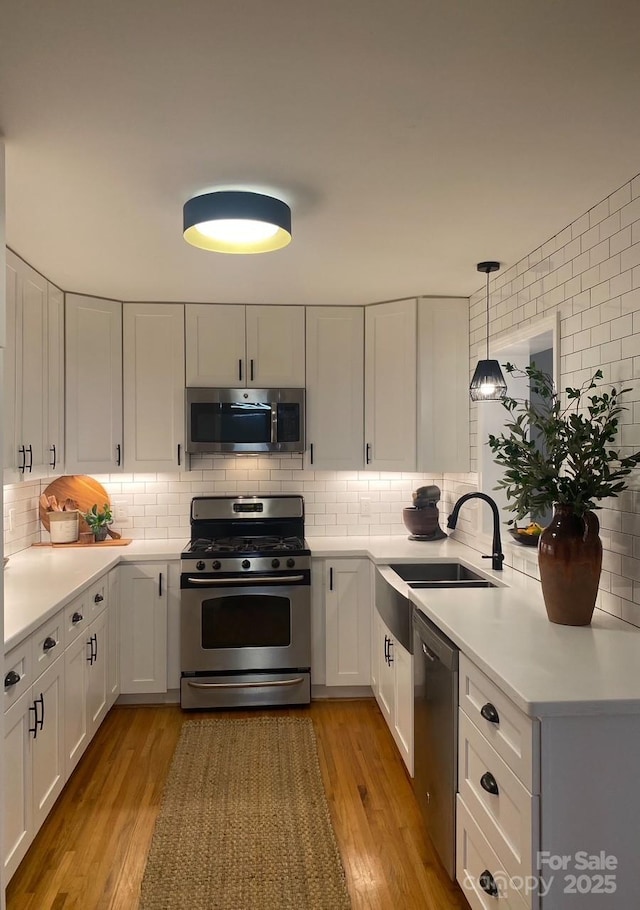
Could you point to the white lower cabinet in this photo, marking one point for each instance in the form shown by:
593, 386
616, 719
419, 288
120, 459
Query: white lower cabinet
34, 770
392, 684
86, 672
143, 628
347, 586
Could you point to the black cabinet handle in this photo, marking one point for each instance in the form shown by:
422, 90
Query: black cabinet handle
331, 578
90, 658
179, 458
390, 651
311, 453
159, 584
22, 453
52, 464
30, 465
40, 720
95, 642
240, 369
488, 883
34, 729
76, 618
251, 369
489, 783
11, 679
386, 649
367, 456
490, 713
98, 598
48, 644
118, 455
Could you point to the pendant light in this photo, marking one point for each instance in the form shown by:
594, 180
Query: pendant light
488, 382
237, 222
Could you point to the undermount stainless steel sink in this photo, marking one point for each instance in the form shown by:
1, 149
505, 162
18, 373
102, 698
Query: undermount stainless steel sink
440, 575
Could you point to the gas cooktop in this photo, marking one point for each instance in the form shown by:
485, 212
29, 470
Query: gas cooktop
219, 546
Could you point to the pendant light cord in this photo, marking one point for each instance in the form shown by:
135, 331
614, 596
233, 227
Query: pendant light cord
487, 315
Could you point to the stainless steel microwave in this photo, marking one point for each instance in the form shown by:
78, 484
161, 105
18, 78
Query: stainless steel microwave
245, 421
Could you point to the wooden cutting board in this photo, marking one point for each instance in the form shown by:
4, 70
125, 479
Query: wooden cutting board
82, 489
120, 542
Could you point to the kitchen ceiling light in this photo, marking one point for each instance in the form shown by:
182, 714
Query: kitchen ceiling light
488, 383
237, 222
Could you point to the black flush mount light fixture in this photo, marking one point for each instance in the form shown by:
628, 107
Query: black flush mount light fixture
235, 221
488, 382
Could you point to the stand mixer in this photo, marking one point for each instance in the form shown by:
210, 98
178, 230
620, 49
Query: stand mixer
422, 519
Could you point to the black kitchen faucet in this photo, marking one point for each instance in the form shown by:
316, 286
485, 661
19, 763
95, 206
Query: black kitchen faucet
497, 556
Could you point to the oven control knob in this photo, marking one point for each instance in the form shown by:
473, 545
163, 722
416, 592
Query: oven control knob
216, 564
246, 564
200, 565
290, 563
275, 563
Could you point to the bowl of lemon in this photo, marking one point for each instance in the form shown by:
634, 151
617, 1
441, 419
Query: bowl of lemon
528, 536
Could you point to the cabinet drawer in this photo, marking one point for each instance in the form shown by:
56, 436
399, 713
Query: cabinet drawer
512, 734
17, 661
76, 619
506, 811
95, 598
479, 872
47, 643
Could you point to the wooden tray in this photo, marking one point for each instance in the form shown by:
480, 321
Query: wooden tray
121, 542
82, 489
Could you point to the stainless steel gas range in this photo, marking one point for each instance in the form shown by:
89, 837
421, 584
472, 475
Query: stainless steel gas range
245, 603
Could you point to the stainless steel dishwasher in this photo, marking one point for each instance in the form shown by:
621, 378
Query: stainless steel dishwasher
435, 668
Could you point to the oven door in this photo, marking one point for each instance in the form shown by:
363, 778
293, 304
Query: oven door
231, 627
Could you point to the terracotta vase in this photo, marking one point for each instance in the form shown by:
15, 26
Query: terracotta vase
570, 560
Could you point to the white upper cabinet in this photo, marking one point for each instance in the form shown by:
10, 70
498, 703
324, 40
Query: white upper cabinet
335, 388
232, 346
93, 333
153, 361
215, 345
32, 373
390, 386
443, 384
416, 385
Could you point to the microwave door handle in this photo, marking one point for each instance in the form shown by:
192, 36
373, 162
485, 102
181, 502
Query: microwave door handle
274, 422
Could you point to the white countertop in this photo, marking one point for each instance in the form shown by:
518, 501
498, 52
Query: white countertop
546, 669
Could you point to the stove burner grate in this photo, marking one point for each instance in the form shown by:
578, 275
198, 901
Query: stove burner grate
261, 544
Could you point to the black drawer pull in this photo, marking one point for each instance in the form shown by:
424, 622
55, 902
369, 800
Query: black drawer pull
489, 783
77, 617
488, 884
52, 464
11, 679
489, 713
98, 599
48, 643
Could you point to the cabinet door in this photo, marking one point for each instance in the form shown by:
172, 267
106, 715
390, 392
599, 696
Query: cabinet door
443, 384
97, 705
403, 700
48, 754
390, 386
113, 650
93, 397
76, 731
335, 385
153, 344
55, 373
143, 628
386, 674
32, 362
348, 609
215, 345
9, 415
275, 346
17, 790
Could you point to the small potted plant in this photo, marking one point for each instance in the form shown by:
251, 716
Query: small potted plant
571, 467
98, 521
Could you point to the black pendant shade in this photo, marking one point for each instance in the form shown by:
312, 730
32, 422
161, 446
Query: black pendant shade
488, 383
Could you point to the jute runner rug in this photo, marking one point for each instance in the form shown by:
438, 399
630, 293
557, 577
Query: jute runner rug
244, 822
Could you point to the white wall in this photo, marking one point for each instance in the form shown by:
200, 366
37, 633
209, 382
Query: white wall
589, 273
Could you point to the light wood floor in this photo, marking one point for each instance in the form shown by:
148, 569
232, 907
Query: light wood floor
91, 852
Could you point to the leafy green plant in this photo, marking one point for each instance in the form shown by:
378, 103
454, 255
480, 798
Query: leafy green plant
98, 519
560, 453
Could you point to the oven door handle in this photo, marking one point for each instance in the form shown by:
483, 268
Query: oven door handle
252, 580
247, 685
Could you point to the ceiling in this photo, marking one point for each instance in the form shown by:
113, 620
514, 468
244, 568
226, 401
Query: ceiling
411, 138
